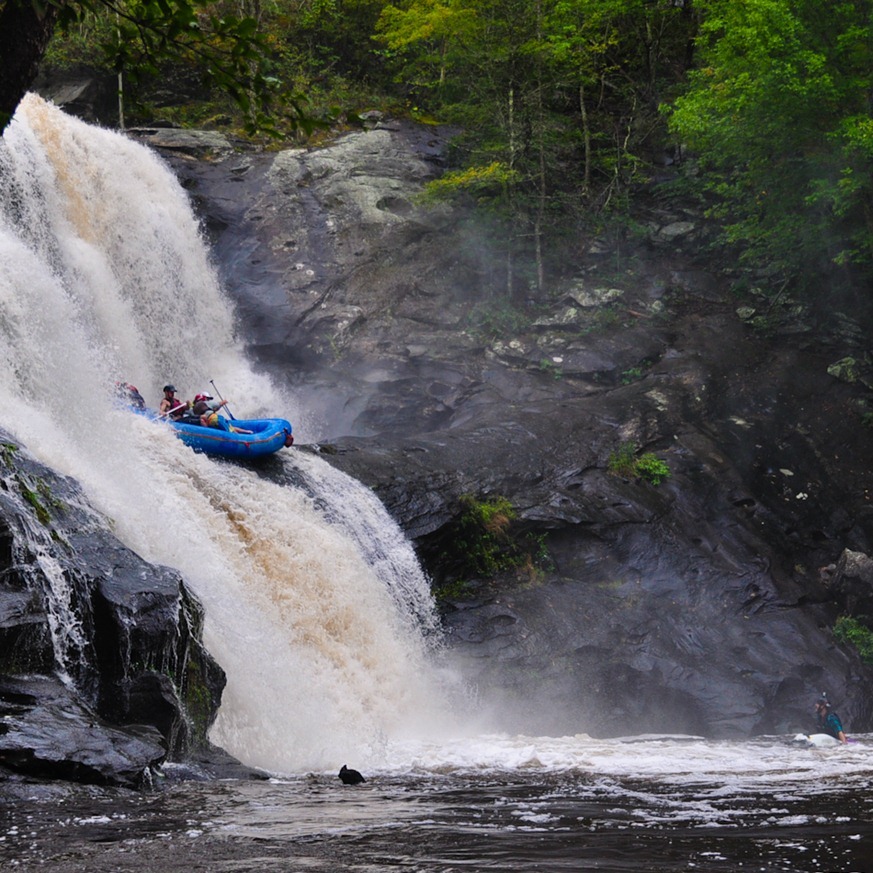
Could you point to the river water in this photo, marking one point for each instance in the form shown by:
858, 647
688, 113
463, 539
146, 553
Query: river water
565, 804
315, 606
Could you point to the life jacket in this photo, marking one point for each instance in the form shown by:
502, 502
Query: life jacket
831, 724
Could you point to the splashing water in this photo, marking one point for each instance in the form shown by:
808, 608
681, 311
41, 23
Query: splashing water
315, 612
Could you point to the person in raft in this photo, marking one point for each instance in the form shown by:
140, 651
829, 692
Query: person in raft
207, 409
170, 405
828, 721
129, 394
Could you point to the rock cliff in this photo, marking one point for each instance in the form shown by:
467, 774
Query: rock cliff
699, 604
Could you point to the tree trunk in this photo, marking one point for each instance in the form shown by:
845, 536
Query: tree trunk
120, 83
586, 142
510, 263
541, 155
25, 30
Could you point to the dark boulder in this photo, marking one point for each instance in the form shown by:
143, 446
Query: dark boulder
87, 93
48, 732
851, 581
102, 668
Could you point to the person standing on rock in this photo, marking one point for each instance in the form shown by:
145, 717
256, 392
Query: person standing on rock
828, 721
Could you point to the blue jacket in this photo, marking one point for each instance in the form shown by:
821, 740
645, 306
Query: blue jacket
830, 724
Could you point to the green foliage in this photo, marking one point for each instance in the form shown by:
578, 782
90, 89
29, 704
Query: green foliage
526, 81
634, 374
330, 38
498, 319
457, 589
38, 497
36, 493
778, 109
226, 47
33, 499
486, 541
851, 630
652, 469
550, 367
81, 42
631, 49
492, 189
422, 39
608, 317
558, 100
486, 185
482, 533
7, 453
624, 462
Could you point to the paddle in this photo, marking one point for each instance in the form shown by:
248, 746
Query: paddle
174, 409
232, 417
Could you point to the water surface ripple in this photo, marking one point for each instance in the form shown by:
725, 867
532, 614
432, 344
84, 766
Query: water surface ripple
813, 813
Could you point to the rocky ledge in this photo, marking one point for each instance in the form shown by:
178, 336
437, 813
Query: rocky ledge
103, 675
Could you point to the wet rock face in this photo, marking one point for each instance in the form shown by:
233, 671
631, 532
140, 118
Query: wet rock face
98, 649
670, 608
49, 732
695, 605
851, 581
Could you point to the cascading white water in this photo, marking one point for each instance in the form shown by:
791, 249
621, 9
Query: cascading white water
316, 610
65, 625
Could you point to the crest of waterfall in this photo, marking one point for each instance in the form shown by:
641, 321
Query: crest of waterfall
315, 605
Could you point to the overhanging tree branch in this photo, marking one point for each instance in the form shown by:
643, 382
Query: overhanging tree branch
233, 55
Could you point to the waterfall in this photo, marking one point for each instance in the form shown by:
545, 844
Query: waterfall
315, 605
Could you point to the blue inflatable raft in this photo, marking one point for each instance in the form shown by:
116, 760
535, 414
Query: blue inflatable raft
267, 435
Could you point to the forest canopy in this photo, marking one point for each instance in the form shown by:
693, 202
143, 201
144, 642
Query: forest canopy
569, 108
778, 106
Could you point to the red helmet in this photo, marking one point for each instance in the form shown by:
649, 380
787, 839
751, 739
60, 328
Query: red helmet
202, 397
